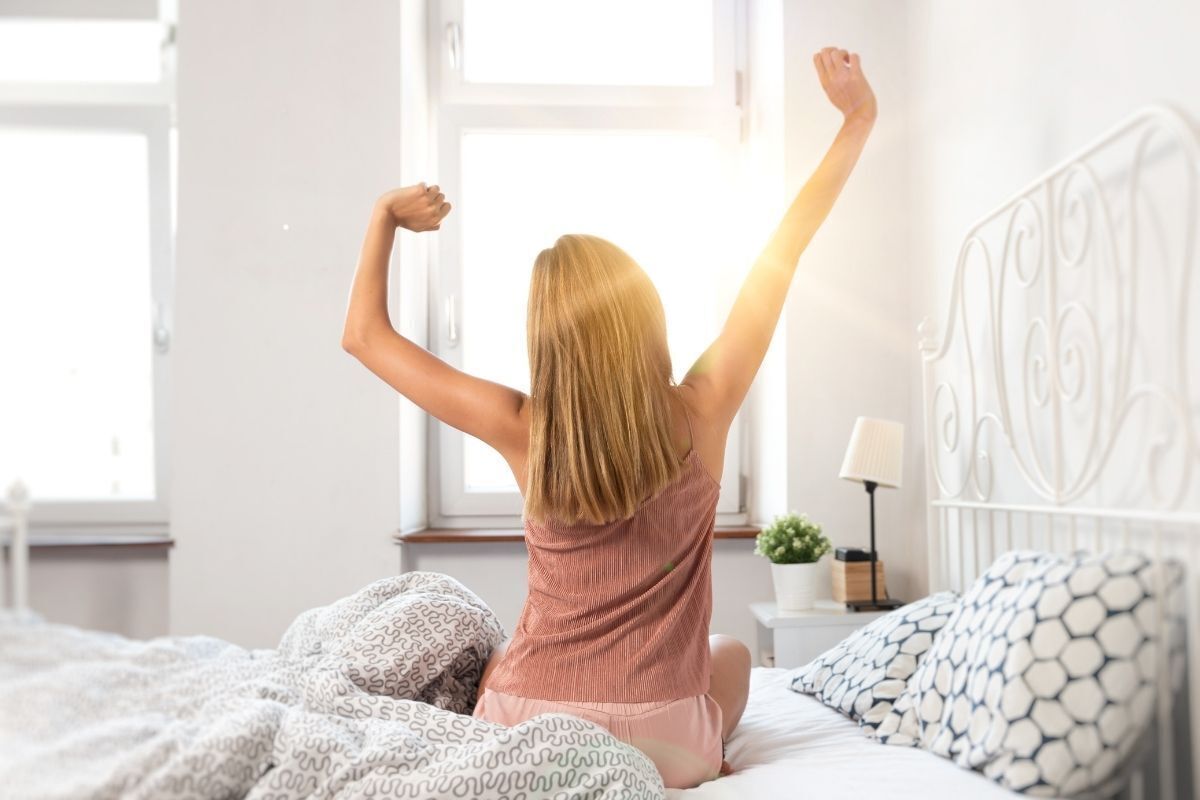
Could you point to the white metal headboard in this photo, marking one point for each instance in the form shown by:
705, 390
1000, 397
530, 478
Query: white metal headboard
1062, 407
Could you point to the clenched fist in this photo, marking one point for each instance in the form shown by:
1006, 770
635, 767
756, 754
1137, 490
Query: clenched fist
844, 83
417, 208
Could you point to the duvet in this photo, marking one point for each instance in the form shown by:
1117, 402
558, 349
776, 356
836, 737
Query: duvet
368, 697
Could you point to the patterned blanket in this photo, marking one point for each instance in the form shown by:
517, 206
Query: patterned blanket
368, 697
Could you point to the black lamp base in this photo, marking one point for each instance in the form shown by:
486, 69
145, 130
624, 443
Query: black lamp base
876, 603
881, 604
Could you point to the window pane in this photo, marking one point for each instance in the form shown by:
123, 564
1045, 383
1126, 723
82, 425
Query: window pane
94, 51
617, 42
76, 412
650, 193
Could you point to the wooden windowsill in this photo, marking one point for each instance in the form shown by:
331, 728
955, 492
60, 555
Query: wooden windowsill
470, 535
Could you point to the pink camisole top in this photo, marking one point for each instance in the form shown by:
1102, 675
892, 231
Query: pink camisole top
619, 612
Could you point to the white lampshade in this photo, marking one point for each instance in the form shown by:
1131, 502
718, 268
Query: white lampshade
876, 452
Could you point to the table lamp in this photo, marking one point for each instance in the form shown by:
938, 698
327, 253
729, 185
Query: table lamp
875, 458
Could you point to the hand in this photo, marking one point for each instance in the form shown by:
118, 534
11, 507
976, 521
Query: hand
417, 208
844, 83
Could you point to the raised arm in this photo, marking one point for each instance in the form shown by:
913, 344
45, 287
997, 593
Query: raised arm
476, 406
722, 375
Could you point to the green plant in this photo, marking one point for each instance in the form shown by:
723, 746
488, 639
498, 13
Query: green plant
792, 539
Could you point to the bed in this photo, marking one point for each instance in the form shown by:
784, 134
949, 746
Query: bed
1062, 396
1061, 411
790, 745
1061, 403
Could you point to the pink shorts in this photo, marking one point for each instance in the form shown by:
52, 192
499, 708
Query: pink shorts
682, 737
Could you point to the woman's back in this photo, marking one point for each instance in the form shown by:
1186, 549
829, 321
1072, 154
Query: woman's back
619, 612
615, 611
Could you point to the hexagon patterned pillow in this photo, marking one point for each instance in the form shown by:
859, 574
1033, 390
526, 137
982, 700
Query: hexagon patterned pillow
862, 675
1045, 676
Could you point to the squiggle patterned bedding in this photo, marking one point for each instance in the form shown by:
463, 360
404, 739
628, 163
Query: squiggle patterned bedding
368, 697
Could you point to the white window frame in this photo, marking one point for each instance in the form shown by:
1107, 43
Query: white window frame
146, 109
458, 107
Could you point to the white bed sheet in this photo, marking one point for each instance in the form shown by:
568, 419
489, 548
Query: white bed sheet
789, 745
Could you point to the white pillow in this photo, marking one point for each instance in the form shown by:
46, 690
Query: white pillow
866, 672
1044, 678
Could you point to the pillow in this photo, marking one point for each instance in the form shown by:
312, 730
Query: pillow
867, 671
1044, 678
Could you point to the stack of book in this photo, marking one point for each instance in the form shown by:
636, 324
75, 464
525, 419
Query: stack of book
852, 575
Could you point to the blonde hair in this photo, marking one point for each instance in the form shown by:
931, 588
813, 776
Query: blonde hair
600, 433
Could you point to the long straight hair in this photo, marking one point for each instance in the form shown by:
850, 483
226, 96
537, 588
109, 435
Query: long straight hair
600, 440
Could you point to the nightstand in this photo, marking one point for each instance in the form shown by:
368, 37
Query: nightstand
793, 638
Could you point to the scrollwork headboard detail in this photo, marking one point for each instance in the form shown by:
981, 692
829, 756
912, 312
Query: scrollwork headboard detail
1062, 404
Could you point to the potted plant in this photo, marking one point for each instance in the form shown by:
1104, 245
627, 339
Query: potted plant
794, 544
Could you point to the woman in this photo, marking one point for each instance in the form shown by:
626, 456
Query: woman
615, 463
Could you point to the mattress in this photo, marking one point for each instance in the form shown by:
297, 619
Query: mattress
789, 745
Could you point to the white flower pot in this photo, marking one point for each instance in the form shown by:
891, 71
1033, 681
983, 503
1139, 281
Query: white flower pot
795, 585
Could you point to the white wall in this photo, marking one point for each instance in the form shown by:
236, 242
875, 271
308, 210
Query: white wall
850, 331
285, 450
1002, 90
121, 589
976, 99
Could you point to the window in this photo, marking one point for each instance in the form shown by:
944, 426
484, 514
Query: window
81, 51
540, 131
85, 260
662, 43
